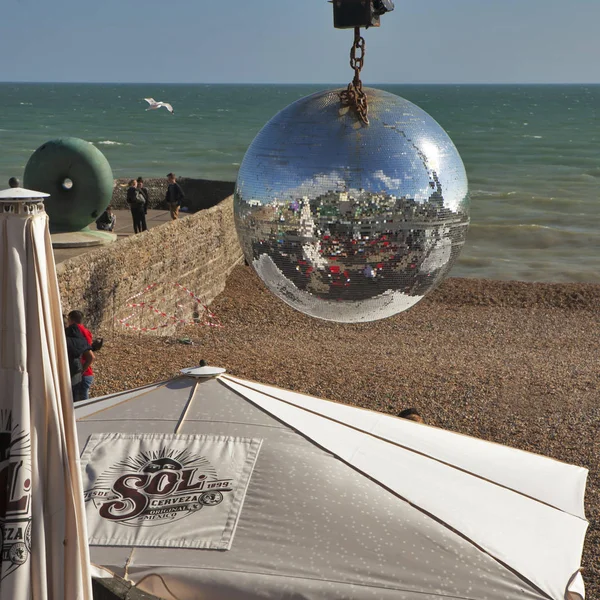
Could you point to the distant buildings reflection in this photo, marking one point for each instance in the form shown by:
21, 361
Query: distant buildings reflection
348, 246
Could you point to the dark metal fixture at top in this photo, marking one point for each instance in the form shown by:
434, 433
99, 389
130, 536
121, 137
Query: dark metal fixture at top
348, 14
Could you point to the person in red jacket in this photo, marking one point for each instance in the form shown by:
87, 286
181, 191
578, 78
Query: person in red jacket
77, 348
82, 389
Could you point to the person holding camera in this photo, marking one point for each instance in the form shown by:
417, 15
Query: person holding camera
82, 389
78, 349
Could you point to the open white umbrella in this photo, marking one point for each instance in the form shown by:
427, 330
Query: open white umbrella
42, 519
227, 489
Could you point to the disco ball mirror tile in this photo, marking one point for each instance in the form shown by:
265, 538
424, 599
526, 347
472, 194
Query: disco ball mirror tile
347, 222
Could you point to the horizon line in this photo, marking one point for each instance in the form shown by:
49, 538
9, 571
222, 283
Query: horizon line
296, 83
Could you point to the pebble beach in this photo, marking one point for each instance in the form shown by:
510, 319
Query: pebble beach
511, 362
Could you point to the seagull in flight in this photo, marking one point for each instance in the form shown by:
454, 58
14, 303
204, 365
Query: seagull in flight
154, 105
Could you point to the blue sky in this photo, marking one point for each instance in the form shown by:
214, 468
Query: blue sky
287, 41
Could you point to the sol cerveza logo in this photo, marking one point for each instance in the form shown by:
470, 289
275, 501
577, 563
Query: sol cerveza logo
15, 501
159, 486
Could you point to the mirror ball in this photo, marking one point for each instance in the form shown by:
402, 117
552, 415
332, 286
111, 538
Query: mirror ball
347, 222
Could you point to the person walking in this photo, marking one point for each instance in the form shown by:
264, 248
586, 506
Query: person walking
82, 389
174, 197
144, 191
136, 202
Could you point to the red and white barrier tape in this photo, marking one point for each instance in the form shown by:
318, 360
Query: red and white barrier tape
174, 320
148, 287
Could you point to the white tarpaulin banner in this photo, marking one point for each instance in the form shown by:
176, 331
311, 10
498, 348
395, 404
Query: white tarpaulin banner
166, 490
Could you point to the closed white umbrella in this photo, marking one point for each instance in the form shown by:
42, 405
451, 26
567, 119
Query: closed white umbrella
44, 539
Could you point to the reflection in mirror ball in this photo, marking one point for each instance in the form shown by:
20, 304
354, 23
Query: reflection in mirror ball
351, 223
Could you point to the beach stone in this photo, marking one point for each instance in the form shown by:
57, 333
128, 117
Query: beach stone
78, 178
350, 222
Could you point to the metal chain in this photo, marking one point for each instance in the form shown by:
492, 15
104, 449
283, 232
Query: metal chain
353, 96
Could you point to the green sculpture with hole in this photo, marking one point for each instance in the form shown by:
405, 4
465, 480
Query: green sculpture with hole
78, 178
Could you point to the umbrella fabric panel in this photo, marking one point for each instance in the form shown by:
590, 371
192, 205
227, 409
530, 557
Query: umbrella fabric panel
550, 481
217, 403
159, 409
156, 409
309, 517
85, 408
54, 546
168, 401
182, 584
539, 542
163, 403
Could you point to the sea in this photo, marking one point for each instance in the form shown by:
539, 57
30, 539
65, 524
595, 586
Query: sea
532, 154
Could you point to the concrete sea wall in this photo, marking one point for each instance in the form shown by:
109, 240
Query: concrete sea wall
197, 252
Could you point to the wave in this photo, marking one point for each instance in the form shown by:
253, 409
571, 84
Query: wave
215, 151
532, 236
536, 226
489, 194
593, 173
525, 226
110, 143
